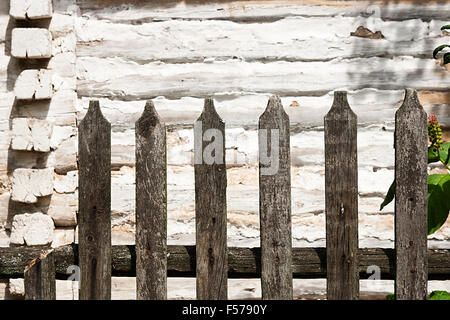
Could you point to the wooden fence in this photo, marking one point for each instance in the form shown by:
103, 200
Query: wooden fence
210, 261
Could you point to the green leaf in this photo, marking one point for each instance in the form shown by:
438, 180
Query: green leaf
390, 296
439, 48
447, 58
439, 295
438, 200
433, 154
389, 196
445, 27
444, 153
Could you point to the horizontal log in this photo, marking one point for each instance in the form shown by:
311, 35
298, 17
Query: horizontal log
177, 41
242, 262
125, 80
242, 149
163, 50
371, 106
250, 11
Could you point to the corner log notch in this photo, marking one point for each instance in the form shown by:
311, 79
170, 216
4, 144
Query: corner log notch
242, 262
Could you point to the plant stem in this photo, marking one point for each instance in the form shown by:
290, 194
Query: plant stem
443, 162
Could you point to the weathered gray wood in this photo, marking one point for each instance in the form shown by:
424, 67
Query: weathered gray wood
411, 199
242, 262
39, 277
341, 200
151, 206
94, 201
275, 202
210, 204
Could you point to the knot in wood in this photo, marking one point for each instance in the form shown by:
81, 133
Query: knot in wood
210, 256
342, 209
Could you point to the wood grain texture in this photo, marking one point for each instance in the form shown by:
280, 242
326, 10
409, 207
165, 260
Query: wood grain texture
100, 40
151, 206
341, 200
94, 201
411, 199
242, 262
210, 205
39, 277
129, 80
275, 202
258, 11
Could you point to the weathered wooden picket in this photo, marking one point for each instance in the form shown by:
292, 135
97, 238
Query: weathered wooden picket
210, 261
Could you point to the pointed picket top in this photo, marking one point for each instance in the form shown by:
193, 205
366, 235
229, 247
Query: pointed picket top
340, 99
209, 112
275, 202
274, 106
210, 206
411, 162
340, 106
151, 206
94, 204
94, 113
274, 103
148, 120
411, 101
341, 200
150, 110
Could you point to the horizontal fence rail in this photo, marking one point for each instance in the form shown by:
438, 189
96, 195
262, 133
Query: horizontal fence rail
276, 263
242, 262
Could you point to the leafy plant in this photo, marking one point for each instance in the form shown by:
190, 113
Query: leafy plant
439, 295
442, 47
435, 295
438, 184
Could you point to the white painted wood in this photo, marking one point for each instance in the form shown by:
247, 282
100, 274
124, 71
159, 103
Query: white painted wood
124, 288
32, 229
125, 80
34, 84
245, 11
30, 9
31, 134
30, 184
63, 209
373, 106
30, 43
301, 50
291, 39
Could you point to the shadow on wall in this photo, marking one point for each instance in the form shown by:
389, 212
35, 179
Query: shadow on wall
24, 109
388, 37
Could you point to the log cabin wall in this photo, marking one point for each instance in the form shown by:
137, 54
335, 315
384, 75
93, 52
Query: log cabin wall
238, 53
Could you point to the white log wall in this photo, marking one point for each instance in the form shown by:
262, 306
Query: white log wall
239, 53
